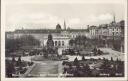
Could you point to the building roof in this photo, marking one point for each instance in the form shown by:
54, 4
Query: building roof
46, 30
37, 31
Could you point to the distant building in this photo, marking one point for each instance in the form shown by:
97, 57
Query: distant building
93, 30
61, 36
114, 30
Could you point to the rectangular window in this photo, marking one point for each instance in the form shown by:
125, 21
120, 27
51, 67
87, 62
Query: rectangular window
59, 43
62, 43
113, 33
117, 29
55, 43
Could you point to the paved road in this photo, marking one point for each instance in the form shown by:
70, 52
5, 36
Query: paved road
47, 69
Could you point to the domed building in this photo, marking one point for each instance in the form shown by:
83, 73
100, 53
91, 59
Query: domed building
58, 27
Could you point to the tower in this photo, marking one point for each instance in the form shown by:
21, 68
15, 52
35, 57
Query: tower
64, 25
114, 18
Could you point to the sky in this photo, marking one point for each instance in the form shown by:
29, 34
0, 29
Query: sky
37, 15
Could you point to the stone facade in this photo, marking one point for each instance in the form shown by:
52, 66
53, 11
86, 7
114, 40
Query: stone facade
109, 31
60, 36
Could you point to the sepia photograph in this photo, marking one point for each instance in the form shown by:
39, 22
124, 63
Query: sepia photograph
64, 39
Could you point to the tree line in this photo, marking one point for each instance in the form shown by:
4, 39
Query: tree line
25, 40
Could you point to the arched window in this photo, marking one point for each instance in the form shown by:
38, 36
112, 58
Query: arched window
59, 43
62, 43
55, 43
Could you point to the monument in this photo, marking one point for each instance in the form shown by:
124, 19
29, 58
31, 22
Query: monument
50, 42
51, 50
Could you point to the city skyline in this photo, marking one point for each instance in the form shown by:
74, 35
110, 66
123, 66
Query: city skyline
76, 15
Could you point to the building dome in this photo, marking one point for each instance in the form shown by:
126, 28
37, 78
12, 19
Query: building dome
58, 27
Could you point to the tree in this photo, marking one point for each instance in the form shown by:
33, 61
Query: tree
120, 67
117, 60
19, 61
13, 59
95, 73
99, 52
11, 44
83, 58
71, 42
113, 71
10, 69
105, 66
81, 40
87, 70
117, 43
94, 51
29, 40
76, 62
112, 59
15, 44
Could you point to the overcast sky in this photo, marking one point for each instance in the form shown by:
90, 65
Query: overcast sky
76, 15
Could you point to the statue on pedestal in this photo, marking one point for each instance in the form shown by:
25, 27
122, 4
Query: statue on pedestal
50, 42
51, 51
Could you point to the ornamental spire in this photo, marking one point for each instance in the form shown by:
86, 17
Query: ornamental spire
64, 25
